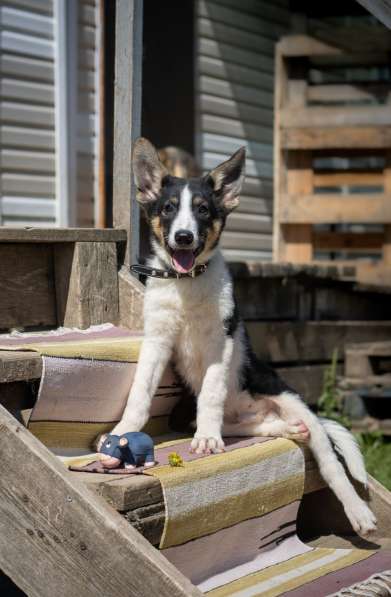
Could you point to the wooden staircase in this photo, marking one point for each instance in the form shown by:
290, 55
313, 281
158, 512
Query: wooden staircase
333, 158
63, 532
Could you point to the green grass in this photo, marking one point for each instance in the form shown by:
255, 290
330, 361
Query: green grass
375, 447
377, 455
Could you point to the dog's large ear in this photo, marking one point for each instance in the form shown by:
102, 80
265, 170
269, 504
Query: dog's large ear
227, 179
148, 171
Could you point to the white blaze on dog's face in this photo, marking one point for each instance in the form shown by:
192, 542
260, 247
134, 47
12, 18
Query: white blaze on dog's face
186, 217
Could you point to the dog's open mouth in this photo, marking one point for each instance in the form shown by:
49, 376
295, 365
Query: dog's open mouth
183, 260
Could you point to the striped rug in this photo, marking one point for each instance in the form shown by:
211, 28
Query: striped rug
86, 378
230, 525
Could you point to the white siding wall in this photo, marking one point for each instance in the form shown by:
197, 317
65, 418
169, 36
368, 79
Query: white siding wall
88, 111
27, 140
27, 113
234, 100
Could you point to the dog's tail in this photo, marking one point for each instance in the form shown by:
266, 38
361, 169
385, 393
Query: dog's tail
346, 445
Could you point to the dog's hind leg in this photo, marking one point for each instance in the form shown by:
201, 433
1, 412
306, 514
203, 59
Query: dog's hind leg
361, 518
294, 430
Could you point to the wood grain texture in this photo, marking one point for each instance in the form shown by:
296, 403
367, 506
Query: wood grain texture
335, 209
131, 300
19, 366
345, 137
61, 235
336, 116
55, 532
86, 284
27, 290
127, 118
311, 340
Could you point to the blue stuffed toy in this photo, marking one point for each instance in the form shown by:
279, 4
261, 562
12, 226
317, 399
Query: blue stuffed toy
131, 449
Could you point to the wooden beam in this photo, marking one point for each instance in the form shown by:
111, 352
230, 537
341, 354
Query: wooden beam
131, 300
311, 341
55, 533
336, 209
86, 284
304, 45
61, 235
387, 227
27, 294
127, 118
331, 93
365, 242
340, 178
19, 366
335, 116
365, 137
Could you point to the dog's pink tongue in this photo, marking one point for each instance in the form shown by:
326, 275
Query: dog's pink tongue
183, 260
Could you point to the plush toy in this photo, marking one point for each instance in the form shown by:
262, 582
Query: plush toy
131, 449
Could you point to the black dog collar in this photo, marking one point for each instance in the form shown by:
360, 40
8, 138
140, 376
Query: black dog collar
145, 270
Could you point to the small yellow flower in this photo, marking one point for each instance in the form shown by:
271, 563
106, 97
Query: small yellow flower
174, 459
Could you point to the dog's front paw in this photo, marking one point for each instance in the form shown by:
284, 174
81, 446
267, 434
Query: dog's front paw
361, 518
207, 445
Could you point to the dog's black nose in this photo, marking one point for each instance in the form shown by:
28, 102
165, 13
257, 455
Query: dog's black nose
184, 238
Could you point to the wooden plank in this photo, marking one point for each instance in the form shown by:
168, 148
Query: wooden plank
348, 241
86, 284
281, 342
307, 380
362, 92
27, 290
234, 128
231, 34
332, 116
127, 118
336, 209
61, 235
296, 241
355, 178
336, 138
235, 91
19, 366
231, 53
131, 300
51, 521
387, 227
304, 45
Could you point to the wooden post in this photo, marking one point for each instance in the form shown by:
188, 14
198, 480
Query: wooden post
86, 283
387, 226
296, 239
127, 118
59, 538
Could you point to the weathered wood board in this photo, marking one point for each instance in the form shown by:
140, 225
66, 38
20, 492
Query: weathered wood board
55, 533
27, 294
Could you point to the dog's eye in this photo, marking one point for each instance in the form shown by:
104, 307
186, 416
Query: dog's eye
108, 444
203, 210
168, 208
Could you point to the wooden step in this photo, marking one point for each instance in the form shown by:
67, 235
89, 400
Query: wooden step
140, 498
61, 235
19, 366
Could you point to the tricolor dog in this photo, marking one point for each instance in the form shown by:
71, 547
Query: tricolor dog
191, 317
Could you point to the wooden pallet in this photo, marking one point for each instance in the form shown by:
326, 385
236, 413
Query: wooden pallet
367, 378
315, 122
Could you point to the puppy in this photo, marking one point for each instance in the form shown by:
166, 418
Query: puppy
191, 317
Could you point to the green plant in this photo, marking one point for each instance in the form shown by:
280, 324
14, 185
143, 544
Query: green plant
374, 446
329, 403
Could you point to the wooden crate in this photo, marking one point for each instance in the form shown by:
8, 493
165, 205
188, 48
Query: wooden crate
332, 160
